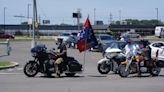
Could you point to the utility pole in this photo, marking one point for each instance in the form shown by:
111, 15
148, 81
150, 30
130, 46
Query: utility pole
4, 20
35, 23
39, 20
78, 16
110, 18
28, 19
94, 15
28, 10
78, 19
157, 12
119, 16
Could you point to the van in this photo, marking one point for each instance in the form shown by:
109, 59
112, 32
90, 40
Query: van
159, 31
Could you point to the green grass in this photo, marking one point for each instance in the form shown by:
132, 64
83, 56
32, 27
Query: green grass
5, 63
40, 37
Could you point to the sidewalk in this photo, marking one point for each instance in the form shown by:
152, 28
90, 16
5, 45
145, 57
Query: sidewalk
14, 64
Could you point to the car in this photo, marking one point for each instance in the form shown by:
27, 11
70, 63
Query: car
6, 36
71, 41
65, 35
130, 35
103, 41
157, 46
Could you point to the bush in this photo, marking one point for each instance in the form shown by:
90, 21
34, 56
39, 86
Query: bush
18, 33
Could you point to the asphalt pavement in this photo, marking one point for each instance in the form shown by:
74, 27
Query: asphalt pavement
14, 80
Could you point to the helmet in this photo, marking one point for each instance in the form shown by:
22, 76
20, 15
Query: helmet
129, 40
60, 40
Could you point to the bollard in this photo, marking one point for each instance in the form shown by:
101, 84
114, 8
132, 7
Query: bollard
8, 48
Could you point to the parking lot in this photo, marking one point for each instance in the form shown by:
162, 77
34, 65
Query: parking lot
13, 80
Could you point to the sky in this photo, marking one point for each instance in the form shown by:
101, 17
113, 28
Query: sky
60, 11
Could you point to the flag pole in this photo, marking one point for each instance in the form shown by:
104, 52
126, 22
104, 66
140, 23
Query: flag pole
84, 55
85, 52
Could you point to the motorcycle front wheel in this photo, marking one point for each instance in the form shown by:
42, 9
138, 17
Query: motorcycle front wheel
122, 71
155, 71
31, 69
103, 68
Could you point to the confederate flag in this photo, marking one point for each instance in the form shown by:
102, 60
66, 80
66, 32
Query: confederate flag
87, 37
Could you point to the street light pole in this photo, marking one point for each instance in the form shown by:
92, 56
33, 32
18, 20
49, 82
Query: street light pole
28, 6
35, 23
94, 15
157, 12
78, 19
120, 16
4, 21
28, 10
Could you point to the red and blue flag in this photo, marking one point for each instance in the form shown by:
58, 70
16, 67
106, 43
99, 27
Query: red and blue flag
87, 38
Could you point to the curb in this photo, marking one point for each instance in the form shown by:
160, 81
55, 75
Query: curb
15, 64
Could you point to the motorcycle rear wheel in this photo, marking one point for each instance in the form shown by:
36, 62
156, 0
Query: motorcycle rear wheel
31, 69
103, 68
70, 74
122, 71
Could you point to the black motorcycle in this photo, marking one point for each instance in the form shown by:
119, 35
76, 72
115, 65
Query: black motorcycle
43, 62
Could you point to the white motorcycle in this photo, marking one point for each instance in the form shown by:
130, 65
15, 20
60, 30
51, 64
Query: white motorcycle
111, 61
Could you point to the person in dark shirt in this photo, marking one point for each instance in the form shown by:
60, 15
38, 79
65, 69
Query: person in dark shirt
62, 55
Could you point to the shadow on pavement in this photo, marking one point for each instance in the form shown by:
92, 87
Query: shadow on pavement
97, 75
144, 76
60, 76
3, 55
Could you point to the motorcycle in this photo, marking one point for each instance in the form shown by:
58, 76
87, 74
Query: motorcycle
43, 62
111, 61
139, 64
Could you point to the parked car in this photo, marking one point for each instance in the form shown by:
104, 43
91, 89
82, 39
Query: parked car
103, 41
159, 45
131, 35
63, 36
6, 36
71, 41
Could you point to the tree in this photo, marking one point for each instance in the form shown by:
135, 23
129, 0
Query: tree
143, 22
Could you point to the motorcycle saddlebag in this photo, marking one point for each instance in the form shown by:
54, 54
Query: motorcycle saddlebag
160, 63
74, 66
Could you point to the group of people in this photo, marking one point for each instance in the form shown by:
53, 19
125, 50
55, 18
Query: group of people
141, 51
130, 50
